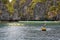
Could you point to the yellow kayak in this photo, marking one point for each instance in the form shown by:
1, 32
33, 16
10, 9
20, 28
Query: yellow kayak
43, 29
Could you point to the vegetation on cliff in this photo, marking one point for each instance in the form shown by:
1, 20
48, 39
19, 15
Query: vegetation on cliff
50, 9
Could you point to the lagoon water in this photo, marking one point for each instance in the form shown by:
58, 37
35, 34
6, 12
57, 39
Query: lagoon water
29, 33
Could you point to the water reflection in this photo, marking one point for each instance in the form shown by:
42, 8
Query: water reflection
28, 33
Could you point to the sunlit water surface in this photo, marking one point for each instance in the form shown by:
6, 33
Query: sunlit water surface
29, 33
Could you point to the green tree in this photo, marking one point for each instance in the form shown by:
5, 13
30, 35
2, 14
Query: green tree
10, 7
52, 8
5, 1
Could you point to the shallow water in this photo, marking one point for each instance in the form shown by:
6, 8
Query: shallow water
29, 33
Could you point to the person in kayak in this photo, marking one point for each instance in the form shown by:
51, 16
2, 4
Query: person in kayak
43, 27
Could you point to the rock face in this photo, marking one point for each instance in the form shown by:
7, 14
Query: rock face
21, 12
5, 14
39, 10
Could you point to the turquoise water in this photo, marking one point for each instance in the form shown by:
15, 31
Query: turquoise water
29, 31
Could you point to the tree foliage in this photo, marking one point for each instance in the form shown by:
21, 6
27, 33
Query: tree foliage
21, 2
4, 1
34, 2
10, 7
52, 8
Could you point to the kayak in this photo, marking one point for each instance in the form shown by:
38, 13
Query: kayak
43, 29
